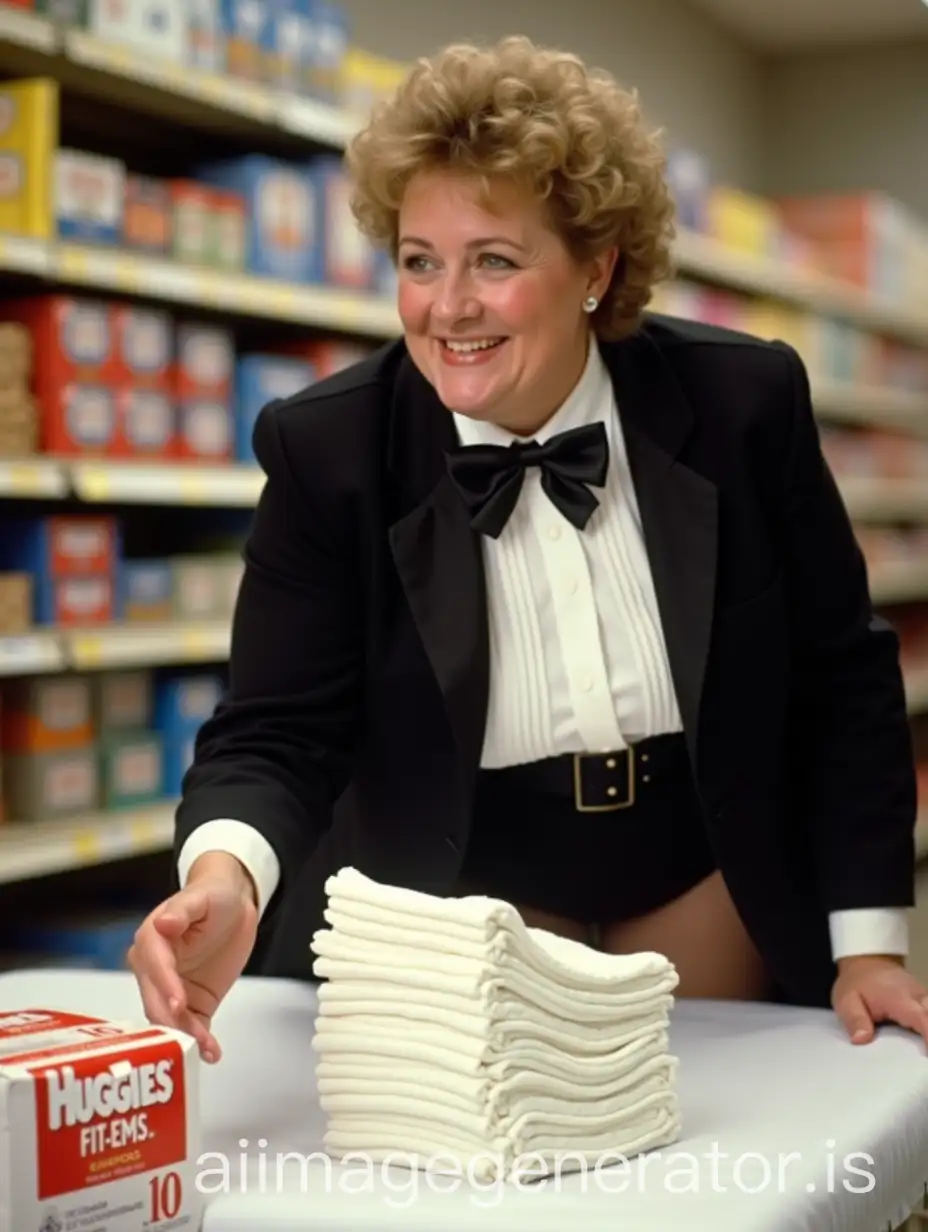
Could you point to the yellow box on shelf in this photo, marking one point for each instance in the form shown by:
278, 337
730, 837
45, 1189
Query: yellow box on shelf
28, 141
742, 221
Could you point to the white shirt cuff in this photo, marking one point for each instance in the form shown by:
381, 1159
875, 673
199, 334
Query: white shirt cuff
869, 930
236, 839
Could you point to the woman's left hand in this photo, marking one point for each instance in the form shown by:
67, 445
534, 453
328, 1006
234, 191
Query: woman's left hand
871, 989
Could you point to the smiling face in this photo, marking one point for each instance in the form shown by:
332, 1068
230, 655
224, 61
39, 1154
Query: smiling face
491, 300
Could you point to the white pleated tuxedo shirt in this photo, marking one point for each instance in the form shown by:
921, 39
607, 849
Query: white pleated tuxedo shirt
563, 679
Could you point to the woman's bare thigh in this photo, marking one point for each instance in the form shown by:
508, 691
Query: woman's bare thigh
703, 936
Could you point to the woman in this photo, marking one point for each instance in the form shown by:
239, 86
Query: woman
550, 600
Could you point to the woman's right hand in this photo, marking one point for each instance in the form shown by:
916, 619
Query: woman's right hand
192, 948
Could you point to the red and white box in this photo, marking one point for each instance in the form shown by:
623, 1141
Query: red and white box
99, 1121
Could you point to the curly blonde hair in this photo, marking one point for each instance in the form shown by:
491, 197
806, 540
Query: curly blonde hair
570, 134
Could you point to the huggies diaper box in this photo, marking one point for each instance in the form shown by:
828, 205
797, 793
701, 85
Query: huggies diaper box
99, 1125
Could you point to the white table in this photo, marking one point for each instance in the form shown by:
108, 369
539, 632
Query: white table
758, 1084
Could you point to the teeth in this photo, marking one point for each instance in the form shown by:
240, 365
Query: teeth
482, 344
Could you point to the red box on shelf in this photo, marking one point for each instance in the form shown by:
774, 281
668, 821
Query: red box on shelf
146, 424
144, 346
74, 383
75, 601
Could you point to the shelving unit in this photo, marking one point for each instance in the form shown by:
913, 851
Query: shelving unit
272, 119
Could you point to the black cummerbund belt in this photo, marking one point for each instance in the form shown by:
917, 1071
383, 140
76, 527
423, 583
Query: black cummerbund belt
604, 782
596, 837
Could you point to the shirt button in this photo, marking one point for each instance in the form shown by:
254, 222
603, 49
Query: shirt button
554, 532
587, 684
573, 586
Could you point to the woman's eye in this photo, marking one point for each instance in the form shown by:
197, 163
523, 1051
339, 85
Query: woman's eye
496, 261
416, 264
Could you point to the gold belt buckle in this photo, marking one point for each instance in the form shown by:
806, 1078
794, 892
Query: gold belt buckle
627, 802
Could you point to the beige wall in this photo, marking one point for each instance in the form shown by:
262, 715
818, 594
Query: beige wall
846, 121
694, 80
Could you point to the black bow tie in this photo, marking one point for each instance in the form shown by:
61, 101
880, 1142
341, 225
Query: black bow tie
490, 477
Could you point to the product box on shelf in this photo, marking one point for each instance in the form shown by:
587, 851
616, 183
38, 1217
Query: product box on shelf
15, 604
204, 378
45, 786
285, 43
74, 384
143, 341
349, 259
62, 545
690, 182
148, 216
28, 141
131, 769
856, 238
19, 410
90, 197
146, 591
97, 1117
122, 701
365, 79
179, 751
46, 714
230, 231
145, 424
199, 588
261, 379
743, 221
157, 29
206, 49
192, 223
67, 12
243, 31
283, 215
328, 42
184, 702
70, 602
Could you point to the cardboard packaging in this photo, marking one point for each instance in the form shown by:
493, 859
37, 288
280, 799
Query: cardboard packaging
28, 141
122, 701
97, 1116
90, 197
243, 24
148, 215
47, 786
75, 383
282, 205
259, 380
131, 771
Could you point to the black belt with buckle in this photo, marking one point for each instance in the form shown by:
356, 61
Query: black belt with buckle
603, 782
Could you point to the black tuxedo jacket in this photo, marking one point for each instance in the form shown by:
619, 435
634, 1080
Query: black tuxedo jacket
353, 726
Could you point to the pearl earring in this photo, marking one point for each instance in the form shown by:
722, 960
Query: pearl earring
590, 304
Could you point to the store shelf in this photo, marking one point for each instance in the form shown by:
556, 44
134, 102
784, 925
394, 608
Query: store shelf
871, 406
36, 849
164, 484
32, 478
906, 582
112, 646
121, 272
31, 654
21, 29
705, 257
82, 60
885, 500
146, 645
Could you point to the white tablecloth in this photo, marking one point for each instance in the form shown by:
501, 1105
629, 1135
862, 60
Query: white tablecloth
774, 1100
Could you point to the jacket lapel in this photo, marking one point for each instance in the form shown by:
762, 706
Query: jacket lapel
679, 513
439, 561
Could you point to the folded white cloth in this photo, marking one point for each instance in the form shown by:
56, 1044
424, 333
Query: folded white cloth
447, 1028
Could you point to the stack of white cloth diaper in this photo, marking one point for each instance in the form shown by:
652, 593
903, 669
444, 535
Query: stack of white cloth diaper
454, 1036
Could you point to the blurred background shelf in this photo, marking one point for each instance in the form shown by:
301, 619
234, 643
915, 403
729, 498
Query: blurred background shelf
44, 847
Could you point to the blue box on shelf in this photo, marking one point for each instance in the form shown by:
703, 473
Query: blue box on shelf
100, 940
328, 45
184, 702
285, 234
146, 590
350, 259
259, 380
177, 758
242, 32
